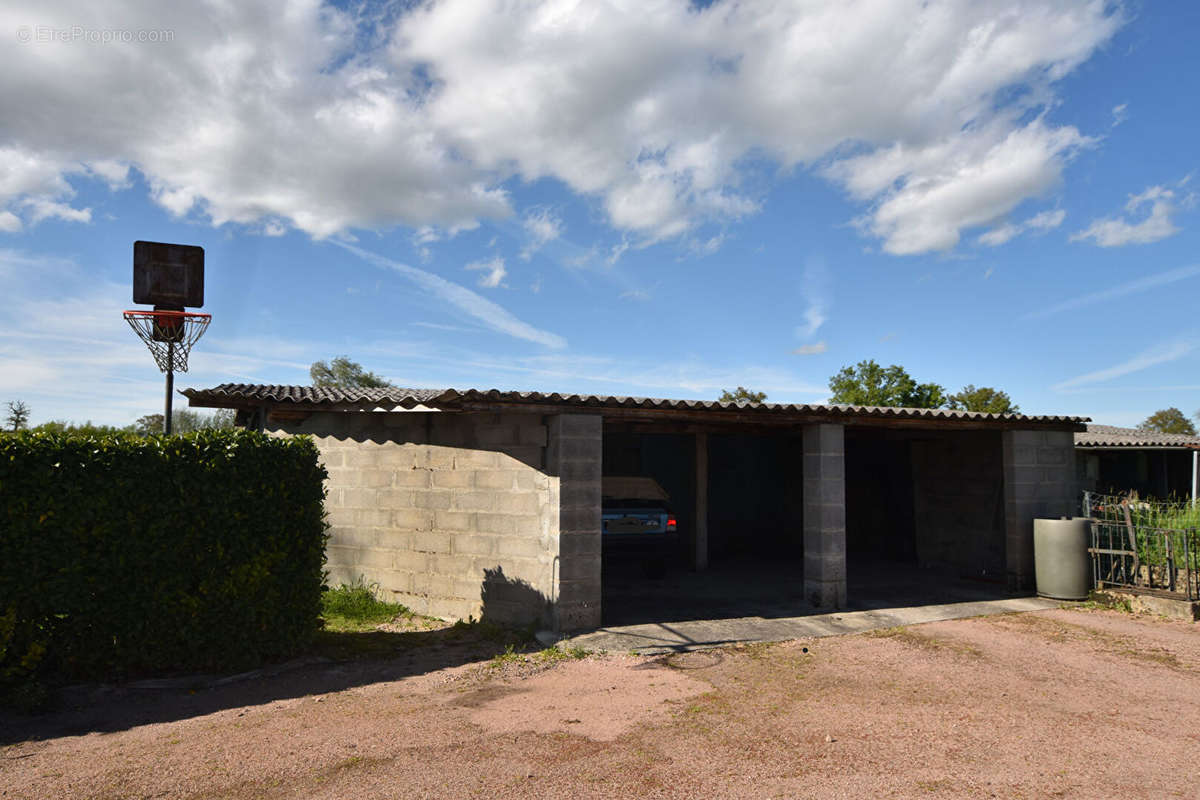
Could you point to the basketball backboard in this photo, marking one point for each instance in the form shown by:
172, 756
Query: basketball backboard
168, 275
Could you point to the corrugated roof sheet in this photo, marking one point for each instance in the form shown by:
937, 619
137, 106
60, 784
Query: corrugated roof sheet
1111, 436
238, 394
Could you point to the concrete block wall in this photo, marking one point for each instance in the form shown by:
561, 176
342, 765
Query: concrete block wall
1039, 482
574, 459
959, 503
825, 516
453, 515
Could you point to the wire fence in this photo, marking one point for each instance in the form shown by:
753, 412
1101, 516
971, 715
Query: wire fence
1143, 544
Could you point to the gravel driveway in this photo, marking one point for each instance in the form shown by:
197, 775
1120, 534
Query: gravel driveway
1060, 703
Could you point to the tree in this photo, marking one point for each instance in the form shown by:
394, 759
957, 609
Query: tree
1168, 420
185, 421
18, 415
742, 395
343, 373
868, 384
985, 398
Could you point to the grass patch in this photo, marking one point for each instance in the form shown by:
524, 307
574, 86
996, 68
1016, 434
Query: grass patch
354, 607
1105, 601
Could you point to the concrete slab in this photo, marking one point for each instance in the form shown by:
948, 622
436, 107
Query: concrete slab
666, 637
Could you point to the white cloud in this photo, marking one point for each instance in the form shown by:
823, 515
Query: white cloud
1120, 113
493, 271
541, 227
41, 209
811, 349
330, 119
468, 302
1046, 220
927, 195
1117, 231
640, 295
815, 291
10, 222
1163, 354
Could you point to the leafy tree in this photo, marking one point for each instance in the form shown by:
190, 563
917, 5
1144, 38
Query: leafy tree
184, 420
64, 426
1168, 420
18, 415
343, 373
742, 394
985, 398
868, 384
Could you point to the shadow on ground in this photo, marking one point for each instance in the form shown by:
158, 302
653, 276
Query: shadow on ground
761, 588
336, 661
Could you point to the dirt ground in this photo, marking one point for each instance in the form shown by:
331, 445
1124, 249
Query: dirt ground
1062, 703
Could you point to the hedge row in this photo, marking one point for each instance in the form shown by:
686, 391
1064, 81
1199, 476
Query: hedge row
124, 555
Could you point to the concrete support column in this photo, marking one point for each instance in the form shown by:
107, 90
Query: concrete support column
700, 534
825, 516
1039, 481
574, 456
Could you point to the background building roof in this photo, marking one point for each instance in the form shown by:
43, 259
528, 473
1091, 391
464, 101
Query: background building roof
1110, 436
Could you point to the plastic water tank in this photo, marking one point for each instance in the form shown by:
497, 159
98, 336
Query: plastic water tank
1062, 567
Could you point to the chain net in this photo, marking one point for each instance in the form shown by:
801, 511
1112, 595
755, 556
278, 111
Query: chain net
169, 335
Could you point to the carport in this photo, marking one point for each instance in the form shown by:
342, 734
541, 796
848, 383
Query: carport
486, 503
780, 517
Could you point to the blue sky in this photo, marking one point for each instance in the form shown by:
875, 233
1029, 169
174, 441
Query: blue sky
628, 198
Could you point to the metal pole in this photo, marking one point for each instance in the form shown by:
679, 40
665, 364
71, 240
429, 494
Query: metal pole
1195, 474
170, 387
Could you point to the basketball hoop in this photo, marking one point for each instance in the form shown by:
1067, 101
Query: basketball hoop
169, 335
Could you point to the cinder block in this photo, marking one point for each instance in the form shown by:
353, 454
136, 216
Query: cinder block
454, 520
579, 568
474, 459
412, 478
519, 547
578, 544
394, 498
453, 478
372, 517
505, 479
353, 537
435, 500
473, 500
435, 457
472, 544
588, 425
373, 557
495, 523
359, 498
414, 519
411, 561
431, 542
515, 502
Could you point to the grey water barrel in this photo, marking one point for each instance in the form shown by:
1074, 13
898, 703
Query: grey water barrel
1062, 567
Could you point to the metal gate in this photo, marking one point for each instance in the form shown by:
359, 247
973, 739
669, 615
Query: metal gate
1144, 545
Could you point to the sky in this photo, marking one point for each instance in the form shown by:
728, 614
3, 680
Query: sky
654, 198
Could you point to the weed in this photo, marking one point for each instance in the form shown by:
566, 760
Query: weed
509, 656
356, 607
552, 655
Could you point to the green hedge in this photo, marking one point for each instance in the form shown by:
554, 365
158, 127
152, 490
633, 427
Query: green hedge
123, 555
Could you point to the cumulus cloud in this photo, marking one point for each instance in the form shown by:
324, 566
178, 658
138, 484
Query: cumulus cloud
329, 119
493, 271
815, 291
1118, 231
811, 349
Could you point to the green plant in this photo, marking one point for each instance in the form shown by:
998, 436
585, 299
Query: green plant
122, 555
355, 607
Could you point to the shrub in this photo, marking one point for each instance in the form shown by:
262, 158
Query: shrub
122, 555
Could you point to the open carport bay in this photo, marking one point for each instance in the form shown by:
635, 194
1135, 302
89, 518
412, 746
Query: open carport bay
924, 522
